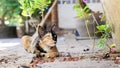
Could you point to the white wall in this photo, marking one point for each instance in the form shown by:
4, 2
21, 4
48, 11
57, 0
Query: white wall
67, 15
95, 6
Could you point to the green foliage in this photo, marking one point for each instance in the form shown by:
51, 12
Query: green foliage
101, 28
81, 12
29, 7
103, 18
9, 8
106, 31
102, 42
17, 21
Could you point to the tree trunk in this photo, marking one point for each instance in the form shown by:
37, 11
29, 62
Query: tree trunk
112, 10
54, 15
2, 22
2, 18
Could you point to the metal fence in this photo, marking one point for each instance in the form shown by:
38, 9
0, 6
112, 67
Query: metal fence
75, 1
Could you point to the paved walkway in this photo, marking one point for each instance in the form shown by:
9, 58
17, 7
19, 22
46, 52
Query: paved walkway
12, 54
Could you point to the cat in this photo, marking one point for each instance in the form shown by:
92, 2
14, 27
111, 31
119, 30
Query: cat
46, 45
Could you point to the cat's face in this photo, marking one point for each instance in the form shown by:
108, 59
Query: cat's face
48, 40
43, 31
47, 36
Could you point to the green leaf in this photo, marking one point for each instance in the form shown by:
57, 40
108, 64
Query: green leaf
76, 6
85, 8
101, 42
101, 27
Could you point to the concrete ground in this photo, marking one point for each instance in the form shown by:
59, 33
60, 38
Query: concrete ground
12, 54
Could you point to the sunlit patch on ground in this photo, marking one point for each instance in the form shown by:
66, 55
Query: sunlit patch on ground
7, 45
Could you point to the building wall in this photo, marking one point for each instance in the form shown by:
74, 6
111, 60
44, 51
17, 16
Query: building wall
112, 11
67, 16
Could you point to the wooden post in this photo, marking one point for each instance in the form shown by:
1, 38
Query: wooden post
54, 15
47, 14
112, 10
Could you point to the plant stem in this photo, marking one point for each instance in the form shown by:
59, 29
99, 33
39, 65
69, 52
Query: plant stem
88, 31
94, 18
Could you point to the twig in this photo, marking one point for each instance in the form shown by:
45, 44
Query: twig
94, 19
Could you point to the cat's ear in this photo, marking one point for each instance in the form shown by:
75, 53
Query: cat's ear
54, 35
41, 31
52, 27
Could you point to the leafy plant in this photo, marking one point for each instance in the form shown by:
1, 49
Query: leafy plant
106, 31
29, 7
82, 12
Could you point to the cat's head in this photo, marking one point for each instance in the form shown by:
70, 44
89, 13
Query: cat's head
42, 31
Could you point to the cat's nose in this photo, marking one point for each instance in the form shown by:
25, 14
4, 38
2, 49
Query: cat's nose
52, 41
